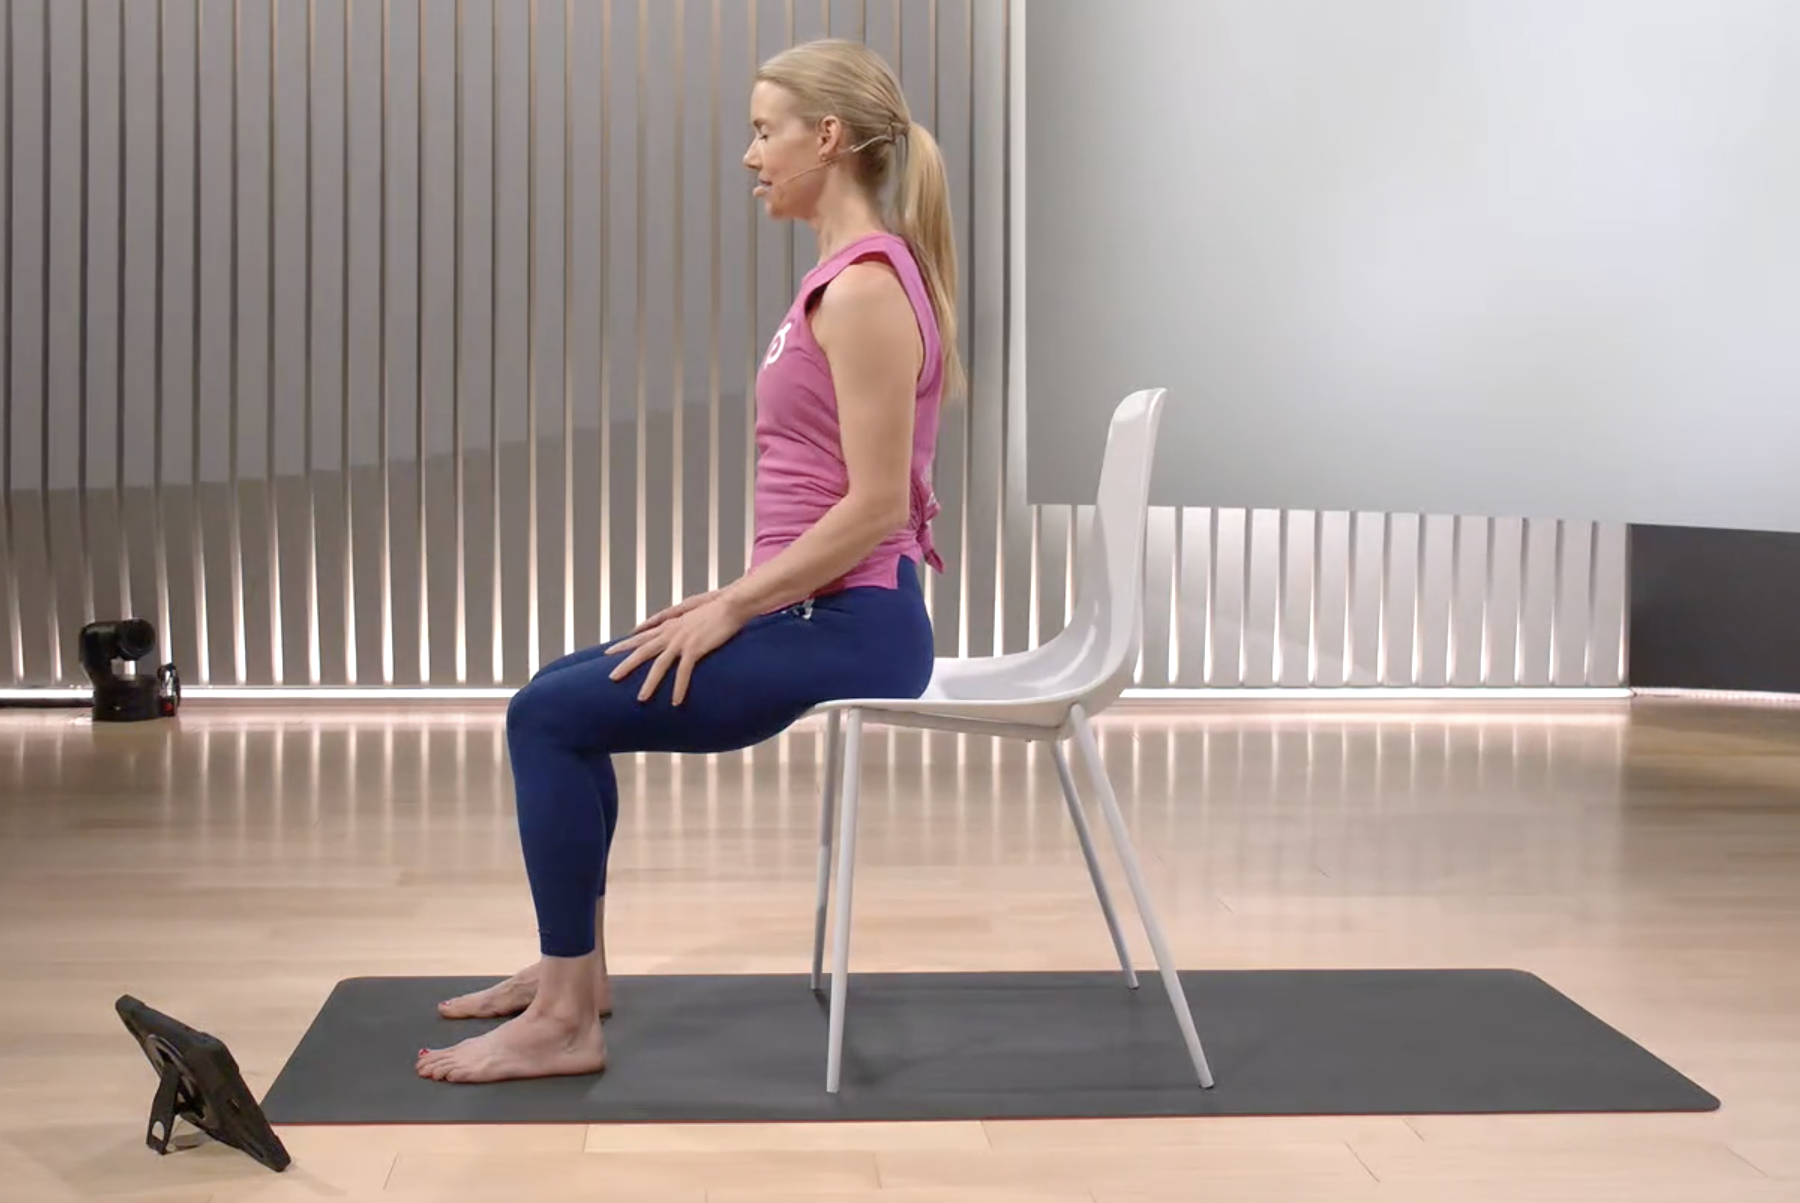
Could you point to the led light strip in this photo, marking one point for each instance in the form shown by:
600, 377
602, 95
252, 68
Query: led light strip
1381, 693
1748, 697
256, 693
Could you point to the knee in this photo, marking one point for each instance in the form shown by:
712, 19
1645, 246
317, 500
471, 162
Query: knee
530, 709
573, 708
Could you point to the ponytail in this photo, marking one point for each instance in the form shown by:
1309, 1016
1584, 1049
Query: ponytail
925, 222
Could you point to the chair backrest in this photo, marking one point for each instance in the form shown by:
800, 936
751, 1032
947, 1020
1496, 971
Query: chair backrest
1105, 630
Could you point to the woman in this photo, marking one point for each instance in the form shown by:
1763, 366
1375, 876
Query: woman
847, 399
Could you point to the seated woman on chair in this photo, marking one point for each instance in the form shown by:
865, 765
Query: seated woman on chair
847, 400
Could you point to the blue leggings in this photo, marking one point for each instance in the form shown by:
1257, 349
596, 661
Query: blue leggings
563, 728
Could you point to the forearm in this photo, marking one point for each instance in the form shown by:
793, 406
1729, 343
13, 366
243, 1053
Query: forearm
831, 547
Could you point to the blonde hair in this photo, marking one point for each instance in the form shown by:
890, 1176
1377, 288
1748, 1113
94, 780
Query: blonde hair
844, 79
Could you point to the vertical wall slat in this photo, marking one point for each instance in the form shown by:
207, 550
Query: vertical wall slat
325, 264
660, 324
1331, 569
12, 670
28, 393
569, 638
1159, 591
586, 222
406, 573
478, 645
282, 257
378, 596
717, 172
256, 559
513, 400
620, 419
64, 399
993, 586
178, 129
746, 458
218, 410
549, 432
102, 342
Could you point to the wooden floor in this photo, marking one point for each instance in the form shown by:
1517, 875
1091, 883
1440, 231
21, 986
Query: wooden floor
232, 867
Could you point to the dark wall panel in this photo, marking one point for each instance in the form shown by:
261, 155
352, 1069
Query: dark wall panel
1714, 609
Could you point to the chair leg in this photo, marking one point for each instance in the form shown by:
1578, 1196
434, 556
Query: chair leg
840, 953
1090, 751
834, 730
1078, 816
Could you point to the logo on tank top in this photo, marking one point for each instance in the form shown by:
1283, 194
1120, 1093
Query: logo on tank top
779, 344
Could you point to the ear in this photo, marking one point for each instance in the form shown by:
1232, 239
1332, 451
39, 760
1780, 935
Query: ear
831, 136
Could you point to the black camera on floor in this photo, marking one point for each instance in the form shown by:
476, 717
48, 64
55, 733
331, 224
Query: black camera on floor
127, 697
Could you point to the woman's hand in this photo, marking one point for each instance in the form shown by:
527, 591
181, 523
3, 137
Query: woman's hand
674, 611
699, 627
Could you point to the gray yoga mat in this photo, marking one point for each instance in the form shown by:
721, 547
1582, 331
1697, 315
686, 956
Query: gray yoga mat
929, 1046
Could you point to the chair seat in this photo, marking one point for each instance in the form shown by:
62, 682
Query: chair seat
1022, 690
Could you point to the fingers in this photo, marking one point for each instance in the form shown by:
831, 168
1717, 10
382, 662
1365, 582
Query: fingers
654, 621
676, 645
635, 639
644, 650
657, 671
645, 627
669, 612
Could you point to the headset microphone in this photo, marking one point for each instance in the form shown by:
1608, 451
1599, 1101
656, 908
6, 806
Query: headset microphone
782, 183
824, 163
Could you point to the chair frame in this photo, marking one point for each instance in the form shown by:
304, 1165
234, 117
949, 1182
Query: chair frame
1073, 710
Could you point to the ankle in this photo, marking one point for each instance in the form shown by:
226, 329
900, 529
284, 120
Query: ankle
569, 1014
566, 990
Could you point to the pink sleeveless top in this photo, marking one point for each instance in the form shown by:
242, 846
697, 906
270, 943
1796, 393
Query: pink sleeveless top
800, 471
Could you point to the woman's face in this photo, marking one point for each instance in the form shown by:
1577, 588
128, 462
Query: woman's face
786, 153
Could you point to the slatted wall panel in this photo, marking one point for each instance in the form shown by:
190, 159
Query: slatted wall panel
409, 343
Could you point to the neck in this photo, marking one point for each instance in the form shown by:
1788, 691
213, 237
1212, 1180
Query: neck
841, 220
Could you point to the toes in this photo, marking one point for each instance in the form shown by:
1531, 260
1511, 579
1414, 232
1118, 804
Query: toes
467, 1007
433, 1060
446, 1064
454, 1069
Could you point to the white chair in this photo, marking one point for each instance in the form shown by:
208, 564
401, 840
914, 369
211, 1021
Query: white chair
1047, 694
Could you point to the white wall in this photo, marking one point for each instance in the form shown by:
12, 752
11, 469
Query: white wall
1483, 257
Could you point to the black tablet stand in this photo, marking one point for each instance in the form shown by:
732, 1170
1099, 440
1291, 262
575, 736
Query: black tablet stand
199, 1082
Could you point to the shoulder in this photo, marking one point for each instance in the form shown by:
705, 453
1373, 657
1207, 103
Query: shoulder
865, 300
868, 285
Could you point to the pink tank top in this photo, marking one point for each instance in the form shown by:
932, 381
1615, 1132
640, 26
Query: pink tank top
800, 472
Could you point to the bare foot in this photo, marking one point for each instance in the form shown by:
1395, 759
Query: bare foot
537, 1044
513, 995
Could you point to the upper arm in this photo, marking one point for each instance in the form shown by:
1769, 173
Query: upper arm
870, 336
